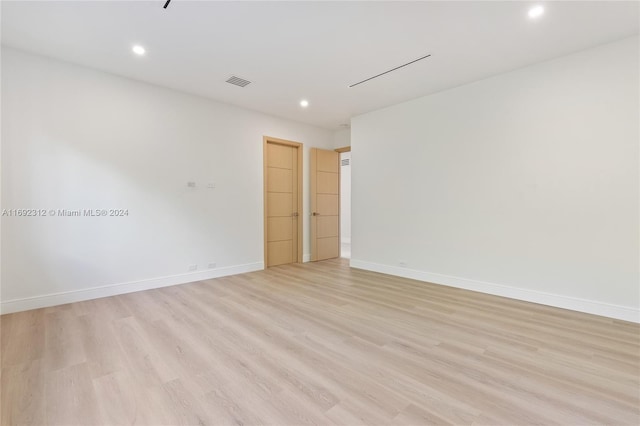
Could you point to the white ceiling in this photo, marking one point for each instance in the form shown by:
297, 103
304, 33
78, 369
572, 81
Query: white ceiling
311, 50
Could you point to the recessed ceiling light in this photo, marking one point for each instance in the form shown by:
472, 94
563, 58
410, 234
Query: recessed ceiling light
536, 12
138, 50
304, 103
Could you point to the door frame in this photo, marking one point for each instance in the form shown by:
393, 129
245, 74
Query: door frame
340, 151
299, 146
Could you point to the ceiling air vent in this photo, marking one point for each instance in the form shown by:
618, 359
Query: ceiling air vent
238, 81
391, 70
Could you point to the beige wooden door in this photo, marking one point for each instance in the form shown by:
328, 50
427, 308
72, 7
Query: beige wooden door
325, 204
282, 198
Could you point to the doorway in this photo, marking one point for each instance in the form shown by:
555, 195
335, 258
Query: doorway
282, 201
345, 204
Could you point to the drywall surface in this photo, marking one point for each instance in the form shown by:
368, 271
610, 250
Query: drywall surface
78, 139
342, 138
525, 184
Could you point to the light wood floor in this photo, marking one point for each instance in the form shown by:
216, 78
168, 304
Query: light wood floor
316, 344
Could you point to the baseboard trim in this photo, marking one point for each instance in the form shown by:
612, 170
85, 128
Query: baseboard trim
559, 301
306, 258
53, 299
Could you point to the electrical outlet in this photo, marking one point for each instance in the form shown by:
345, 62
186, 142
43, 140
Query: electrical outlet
193, 267
402, 263
212, 265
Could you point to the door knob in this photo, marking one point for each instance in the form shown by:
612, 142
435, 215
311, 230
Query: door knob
294, 214
315, 214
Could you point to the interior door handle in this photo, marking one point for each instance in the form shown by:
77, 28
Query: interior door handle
294, 214
315, 214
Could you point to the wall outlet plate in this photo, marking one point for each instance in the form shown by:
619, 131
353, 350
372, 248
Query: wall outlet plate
193, 267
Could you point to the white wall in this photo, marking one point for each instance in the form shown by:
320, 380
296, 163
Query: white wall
75, 138
524, 184
342, 138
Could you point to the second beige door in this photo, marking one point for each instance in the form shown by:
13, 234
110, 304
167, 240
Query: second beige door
325, 204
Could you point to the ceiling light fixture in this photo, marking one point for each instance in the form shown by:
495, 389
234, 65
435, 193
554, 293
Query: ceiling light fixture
304, 103
138, 50
536, 12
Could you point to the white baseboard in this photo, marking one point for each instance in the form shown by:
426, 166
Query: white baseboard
566, 302
53, 299
306, 258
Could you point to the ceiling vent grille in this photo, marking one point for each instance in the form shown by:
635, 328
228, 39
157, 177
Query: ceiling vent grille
238, 81
391, 70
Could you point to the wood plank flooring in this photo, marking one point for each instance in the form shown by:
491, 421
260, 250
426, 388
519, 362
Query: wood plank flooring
316, 344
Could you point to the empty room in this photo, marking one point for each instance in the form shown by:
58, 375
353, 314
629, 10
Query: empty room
320, 213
